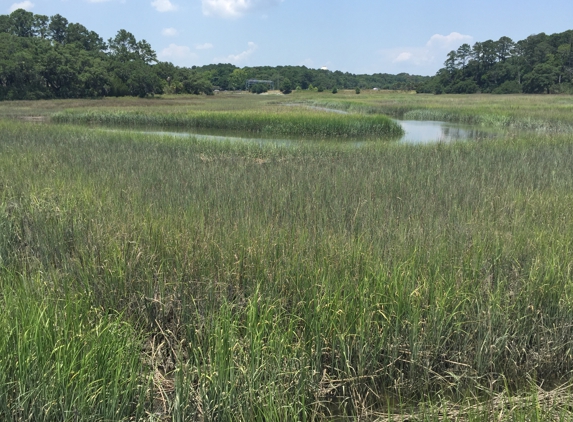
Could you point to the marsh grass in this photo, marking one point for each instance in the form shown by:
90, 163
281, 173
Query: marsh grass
547, 114
63, 360
542, 113
287, 283
277, 122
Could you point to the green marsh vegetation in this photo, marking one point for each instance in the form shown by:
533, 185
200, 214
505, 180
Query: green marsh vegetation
277, 122
157, 278
540, 113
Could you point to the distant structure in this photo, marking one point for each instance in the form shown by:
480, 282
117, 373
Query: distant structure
251, 82
324, 68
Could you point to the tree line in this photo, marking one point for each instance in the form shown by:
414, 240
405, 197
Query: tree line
230, 77
538, 64
49, 57
45, 57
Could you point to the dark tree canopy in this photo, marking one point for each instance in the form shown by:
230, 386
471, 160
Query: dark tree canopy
49, 57
538, 64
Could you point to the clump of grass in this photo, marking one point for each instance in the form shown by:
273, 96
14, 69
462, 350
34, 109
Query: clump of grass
60, 359
298, 124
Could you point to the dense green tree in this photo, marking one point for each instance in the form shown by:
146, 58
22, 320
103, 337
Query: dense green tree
508, 87
489, 54
22, 23
166, 71
540, 63
540, 79
218, 74
141, 81
5, 24
238, 78
564, 60
41, 23
463, 87
19, 67
146, 53
89, 40
71, 72
58, 28
463, 54
43, 57
259, 88
504, 48
286, 86
125, 48
451, 63
60, 72
196, 83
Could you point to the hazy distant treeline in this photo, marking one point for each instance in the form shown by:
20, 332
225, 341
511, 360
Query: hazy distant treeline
228, 76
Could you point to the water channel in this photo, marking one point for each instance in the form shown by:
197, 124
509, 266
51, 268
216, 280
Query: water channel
415, 132
427, 131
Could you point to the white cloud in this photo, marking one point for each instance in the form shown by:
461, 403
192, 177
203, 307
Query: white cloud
425, 59
418, 56
241, 57
180, 55
169, 32
402, 57
26, 5
235, 8
164, 5
205, 46
454, 40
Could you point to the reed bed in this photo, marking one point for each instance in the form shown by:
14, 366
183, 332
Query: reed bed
280, 283
296, 124
61, 359
545, 114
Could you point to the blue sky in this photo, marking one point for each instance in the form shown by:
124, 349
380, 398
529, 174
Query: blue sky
359, 36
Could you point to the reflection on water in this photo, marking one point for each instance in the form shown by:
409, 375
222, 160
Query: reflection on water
424, 132
416, 132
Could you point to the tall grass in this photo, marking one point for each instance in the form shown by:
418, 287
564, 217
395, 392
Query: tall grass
299, 283
61, 359
299, 124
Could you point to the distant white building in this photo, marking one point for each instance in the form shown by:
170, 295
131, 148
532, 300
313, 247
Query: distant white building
324, 68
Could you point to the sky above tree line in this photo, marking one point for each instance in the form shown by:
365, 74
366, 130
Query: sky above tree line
357, 36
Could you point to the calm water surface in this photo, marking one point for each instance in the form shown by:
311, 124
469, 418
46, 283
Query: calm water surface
424, 132
416, 132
